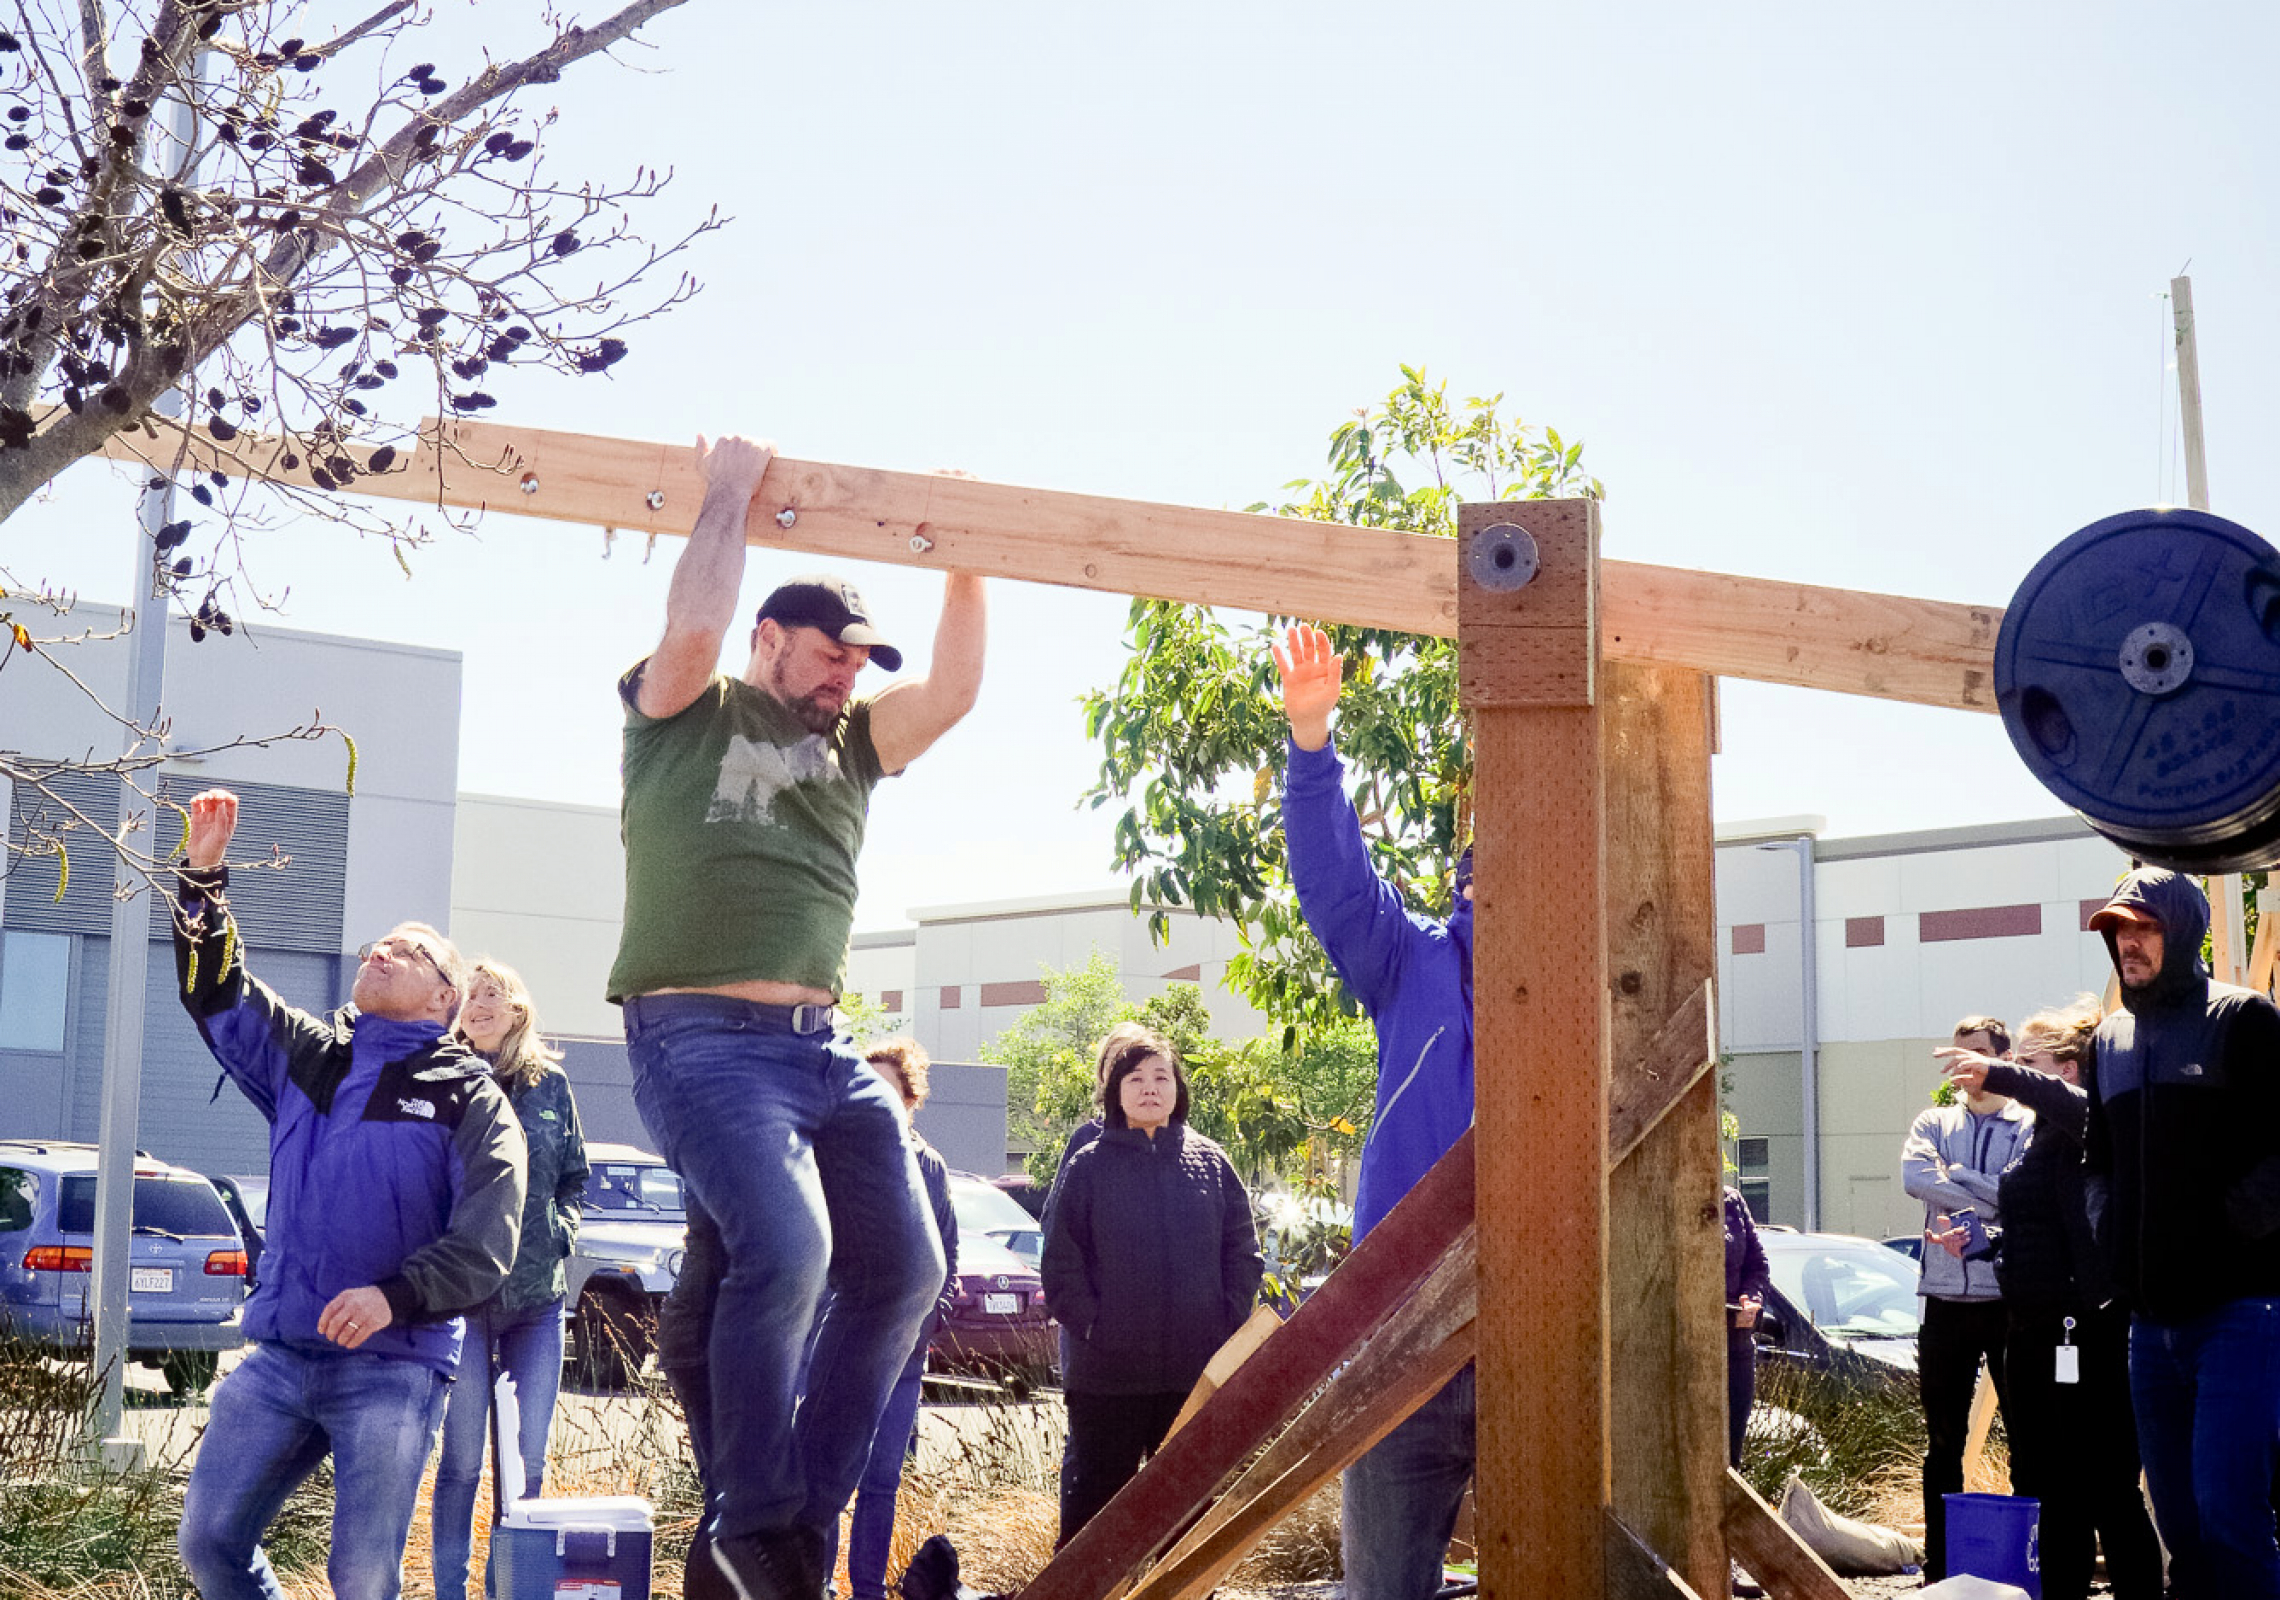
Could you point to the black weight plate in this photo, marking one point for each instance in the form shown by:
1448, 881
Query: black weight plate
2192, 767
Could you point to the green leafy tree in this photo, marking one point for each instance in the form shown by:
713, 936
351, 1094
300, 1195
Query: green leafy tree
1049, 1055
866, 1021
1294, 1115
1192, 734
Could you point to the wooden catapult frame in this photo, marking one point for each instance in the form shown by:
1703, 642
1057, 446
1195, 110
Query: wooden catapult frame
1589, 1289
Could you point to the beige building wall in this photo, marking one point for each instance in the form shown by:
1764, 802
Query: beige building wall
515, 896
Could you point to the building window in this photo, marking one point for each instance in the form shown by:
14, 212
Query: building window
951, 997
890, 1001
35, 983
1755, 1159
1749, 938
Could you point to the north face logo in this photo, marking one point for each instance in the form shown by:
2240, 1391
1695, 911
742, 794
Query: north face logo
417, 1108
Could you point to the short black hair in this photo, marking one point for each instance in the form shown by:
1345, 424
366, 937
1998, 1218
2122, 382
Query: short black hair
1137, 1045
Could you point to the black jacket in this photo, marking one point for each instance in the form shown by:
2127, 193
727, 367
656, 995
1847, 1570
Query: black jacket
2046, 1259
2182, 1147
1151, 1260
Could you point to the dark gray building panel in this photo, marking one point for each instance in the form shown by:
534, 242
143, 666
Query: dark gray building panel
964, 1116
602, 1079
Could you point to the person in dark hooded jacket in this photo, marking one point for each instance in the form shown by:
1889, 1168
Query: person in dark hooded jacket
2066, 1404
2182, 1155
1414, 977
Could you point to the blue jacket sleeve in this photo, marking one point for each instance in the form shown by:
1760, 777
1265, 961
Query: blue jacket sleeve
252, 1033
1357, 915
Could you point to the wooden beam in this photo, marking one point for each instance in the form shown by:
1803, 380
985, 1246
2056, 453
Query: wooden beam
1183, 1476
1540, 1064
1666, 1237
1924, 651
1647, 1084
1769, 1549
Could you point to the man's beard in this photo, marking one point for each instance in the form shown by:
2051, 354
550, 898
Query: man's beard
809, 712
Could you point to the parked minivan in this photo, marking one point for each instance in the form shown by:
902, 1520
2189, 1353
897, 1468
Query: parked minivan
186, 1275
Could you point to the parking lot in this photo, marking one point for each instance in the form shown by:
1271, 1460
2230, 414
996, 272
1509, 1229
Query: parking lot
962, 1424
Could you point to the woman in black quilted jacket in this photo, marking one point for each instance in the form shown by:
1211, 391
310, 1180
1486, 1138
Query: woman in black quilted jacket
1151, 1262
2066, 1349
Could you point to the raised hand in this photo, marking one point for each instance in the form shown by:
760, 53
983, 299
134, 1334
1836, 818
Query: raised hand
213, 819
1312, 677
734, 462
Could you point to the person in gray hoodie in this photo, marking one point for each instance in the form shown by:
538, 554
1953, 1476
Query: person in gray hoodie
1954, 1157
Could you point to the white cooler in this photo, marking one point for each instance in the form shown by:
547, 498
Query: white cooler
594, 1548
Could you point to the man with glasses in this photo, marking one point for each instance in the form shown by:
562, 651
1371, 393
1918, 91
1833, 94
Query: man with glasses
396, 1178
745, 804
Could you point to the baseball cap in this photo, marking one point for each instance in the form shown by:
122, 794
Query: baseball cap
2114, 913
820, 600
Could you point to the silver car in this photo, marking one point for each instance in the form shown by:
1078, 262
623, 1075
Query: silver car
632, 1233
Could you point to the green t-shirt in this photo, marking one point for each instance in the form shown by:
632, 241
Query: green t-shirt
741, 830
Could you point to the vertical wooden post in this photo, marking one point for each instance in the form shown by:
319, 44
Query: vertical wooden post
1529, 670
1666, 1242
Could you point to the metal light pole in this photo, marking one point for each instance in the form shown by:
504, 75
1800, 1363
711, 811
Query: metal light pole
130, 952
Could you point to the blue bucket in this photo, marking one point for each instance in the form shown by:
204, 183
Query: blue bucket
1994, 1536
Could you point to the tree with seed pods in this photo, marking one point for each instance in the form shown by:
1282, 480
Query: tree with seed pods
270, 228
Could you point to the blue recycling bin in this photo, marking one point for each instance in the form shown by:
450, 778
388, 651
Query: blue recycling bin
1995, 1536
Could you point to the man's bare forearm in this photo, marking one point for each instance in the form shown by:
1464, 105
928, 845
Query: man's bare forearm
961, 639
707, 578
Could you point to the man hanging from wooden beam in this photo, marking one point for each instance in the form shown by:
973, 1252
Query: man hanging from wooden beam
745, 801
1414, 978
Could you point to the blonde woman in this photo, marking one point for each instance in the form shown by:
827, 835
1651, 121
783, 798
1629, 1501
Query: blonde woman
519, 1329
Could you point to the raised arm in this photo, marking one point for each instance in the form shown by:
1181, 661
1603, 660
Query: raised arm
907, 717
1358, 916
251, 1032
701, 604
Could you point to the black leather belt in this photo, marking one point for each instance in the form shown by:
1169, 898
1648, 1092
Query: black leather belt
803, 1021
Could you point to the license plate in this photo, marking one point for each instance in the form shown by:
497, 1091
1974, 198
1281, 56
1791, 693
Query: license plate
150, 1280
1001, 1305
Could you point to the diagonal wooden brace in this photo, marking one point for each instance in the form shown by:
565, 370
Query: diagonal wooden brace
1646, 1088
1427, 1343
1771, 1550
1635, 1572
1356, 1299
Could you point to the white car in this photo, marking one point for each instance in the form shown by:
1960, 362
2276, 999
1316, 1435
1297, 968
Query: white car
632, 1235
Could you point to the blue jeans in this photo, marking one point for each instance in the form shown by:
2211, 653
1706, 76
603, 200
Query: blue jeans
526, 1344
2207, 1396
274, 1419
870, 1536
802, 1155
1401, 1499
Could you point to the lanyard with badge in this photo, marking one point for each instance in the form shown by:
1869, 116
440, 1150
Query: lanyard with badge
2069, 1358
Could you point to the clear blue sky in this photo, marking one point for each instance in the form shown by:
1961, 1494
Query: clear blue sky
1857, 295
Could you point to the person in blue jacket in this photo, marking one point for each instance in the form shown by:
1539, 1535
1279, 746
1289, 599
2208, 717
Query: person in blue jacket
1413, 976
396, 1181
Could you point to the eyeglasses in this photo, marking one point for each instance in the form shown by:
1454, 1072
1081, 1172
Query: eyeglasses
399, 947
